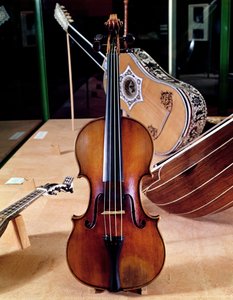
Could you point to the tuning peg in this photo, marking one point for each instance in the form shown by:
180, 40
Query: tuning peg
129, 38
63, 8
97, 44
70, 18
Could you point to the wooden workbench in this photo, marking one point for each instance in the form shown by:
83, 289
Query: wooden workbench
199, 253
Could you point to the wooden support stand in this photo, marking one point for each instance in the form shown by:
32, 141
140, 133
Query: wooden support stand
20, 231
15, 236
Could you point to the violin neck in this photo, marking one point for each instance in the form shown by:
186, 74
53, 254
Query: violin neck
112, 171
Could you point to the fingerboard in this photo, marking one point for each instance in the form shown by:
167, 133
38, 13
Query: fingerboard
13, 210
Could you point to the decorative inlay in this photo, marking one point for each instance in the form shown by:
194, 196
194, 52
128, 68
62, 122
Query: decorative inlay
130, 88
153, 132
166, 100
190, 94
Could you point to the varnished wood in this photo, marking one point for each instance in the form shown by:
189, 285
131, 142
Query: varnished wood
115, 245
9, 130
142, 258
199, 180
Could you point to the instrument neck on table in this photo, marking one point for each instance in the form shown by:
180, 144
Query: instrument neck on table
13, 210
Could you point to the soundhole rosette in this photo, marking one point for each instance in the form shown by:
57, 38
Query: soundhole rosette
130, 88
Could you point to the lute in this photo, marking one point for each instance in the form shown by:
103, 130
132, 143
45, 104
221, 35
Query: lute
197, 180
173, 111
13, 210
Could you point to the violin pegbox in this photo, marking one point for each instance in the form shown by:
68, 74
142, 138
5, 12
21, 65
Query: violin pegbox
114, 23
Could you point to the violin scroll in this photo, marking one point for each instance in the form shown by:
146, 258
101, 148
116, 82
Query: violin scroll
113, 24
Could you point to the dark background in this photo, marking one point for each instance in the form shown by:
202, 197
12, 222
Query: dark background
147, 21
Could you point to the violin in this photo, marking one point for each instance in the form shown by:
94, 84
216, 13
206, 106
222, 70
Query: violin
115, 245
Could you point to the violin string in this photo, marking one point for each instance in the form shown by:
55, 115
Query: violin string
105, 173
115, 143
110, 150
113, 178
209, 203
105, 225
119, 151
107, 159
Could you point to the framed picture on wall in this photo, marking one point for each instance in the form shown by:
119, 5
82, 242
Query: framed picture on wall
3, 15
198, 22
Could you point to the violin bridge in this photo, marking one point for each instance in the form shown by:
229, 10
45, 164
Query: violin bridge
113, 212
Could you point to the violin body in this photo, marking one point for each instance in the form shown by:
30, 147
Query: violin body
138, 258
